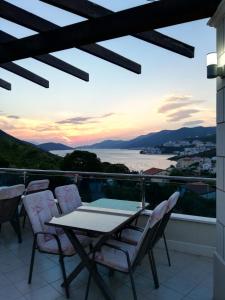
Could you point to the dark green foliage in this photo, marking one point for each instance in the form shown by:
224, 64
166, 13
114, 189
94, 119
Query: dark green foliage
114, 168
89, 162
81, 161
3, 163
20, 154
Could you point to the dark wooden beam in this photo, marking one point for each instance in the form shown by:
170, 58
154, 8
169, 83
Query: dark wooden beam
51, 60
22, 72
5, 85
36, 23
90, 10
138, 19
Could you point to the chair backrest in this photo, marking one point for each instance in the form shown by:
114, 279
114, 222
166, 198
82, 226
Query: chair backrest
37, 186
147, 239
172, 201
9, 201
40, 208
68, 198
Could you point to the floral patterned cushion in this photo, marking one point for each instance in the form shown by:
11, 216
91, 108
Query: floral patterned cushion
158, 213
51, 245
37, 185
68, 197
172, 201
40, 208
131, 236
11, 191
114, 258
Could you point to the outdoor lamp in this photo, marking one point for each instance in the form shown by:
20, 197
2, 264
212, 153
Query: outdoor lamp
213, 70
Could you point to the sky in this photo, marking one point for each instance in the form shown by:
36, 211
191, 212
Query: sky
171, 92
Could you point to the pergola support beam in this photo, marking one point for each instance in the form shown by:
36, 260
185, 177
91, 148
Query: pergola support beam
22, 72
22, 17
5, 85
127, 22
90, 10
51, 60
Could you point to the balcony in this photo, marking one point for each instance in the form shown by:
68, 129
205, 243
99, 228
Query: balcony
191, 241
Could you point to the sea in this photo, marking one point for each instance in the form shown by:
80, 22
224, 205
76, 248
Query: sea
131, 158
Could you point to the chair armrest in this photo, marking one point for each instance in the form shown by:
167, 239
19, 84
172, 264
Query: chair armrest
52, 234
135, 228
120, 249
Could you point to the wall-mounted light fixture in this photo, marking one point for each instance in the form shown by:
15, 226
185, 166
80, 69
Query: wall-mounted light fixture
213, 70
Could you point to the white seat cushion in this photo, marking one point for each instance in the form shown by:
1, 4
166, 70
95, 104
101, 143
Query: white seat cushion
51, 245
115, 258
131, 236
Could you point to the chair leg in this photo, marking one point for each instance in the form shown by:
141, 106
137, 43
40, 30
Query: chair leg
24, 220
32, 261
61, 260
167, 250
132, 284
88, 286
16, 226
153, 267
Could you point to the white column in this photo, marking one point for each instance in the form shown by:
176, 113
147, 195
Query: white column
218, 21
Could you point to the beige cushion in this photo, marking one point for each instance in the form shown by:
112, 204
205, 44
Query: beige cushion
114, 258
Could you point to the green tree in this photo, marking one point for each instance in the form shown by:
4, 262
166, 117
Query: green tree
115, 168
81, 161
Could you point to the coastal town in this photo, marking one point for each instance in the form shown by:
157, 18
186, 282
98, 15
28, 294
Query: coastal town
195, 157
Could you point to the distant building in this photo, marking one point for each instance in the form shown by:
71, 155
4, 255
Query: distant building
186, 162
156, 171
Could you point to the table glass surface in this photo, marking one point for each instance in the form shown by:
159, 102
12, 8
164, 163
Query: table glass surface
123, 205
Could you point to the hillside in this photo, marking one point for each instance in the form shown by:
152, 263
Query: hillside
54, 146
156, 138
19, 154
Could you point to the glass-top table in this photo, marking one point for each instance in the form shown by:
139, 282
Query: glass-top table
103, 216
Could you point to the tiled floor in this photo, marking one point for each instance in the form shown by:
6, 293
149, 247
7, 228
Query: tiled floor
189, 278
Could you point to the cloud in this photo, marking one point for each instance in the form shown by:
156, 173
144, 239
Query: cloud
84, 120
193, 123
182, 114
173, 102
179, 107
175, 98
43, 128
77, 120
4, 125
13, 117
172, 106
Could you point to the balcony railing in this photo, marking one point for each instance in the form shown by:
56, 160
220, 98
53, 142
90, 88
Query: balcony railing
198, 194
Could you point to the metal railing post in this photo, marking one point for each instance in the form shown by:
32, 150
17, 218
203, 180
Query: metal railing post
142, 181
24, 177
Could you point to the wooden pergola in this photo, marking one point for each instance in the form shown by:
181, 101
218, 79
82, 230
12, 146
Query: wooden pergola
102, 24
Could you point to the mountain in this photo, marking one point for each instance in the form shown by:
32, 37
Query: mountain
20, 154
156, 138
107, 144
54, 146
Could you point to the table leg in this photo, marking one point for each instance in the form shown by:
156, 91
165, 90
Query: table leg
87, 263
74, 274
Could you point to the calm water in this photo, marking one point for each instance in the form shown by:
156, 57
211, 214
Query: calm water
131, 158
